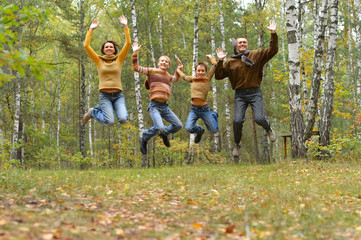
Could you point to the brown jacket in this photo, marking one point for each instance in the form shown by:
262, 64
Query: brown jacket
243, 76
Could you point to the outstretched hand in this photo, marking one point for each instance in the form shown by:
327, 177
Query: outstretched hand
124, 21
272, 26
180, 65
136, 47
221, 54
94, 25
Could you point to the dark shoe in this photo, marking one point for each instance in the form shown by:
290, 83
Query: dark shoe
143, 145
87, 116
236, 152
165, 139
199, 136
271, 135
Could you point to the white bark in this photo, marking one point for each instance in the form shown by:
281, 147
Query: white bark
17, 102
311, 109
58, 95
214, 89
151, 46
1, 131
358, 44
297, 126
90, 122
195, 55
159, 27
138, 96
228, 113
325, 126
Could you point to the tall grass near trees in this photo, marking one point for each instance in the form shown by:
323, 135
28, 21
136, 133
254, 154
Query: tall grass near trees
290, 200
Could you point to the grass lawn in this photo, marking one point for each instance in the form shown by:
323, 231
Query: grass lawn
293, 200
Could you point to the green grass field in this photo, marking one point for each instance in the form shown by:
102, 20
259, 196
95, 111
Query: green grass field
293, 200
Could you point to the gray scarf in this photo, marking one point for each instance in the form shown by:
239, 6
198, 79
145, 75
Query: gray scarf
243, 56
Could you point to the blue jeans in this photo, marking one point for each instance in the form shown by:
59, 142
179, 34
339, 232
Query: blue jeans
157, 111
209, 118
103, 112
243, 98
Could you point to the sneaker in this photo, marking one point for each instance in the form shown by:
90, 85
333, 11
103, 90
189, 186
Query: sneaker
271, 135
87, 116
236, 151
199, 136
143, 145
165, 139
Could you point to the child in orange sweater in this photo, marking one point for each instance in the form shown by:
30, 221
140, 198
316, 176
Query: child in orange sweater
201, 84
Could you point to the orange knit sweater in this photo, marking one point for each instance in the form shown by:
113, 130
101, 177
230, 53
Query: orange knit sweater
109, 71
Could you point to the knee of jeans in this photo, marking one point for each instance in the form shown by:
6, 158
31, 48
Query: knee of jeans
178, 126
109, 123
259, 120
122, 120
188, 128
214, 130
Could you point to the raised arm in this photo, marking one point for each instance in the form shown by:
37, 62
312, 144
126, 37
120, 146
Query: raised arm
92, 54
176, 76
220, 71
123, 53
181, 74
213, 68
136, 67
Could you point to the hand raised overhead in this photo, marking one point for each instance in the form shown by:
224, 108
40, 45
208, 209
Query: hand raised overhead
136, 47
124, 21
272, 26
180, 65
94, 25
221, 54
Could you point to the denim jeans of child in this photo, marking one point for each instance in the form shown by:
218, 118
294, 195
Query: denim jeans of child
108, 102
209, 118
157, 111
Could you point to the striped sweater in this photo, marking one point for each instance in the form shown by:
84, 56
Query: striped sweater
158, 81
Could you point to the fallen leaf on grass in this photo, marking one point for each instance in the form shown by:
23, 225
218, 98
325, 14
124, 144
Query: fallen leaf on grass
197, 225
230, 229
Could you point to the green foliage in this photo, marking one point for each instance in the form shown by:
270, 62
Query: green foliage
342, 148
6, 150
12, 55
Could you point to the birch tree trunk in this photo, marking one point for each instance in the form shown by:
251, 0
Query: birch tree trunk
1, 131
358, 44
58, 96
297, 124
159, 28
228, 114
195, 59
311, 109
214, 88
17, 102
82, 84
300, 40
326, 112
90, 122
151, 47
138, 96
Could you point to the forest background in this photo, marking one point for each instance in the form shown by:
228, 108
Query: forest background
48, 82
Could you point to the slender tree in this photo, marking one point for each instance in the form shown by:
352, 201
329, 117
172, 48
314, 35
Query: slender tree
138, 95
327, 101
297, 124
311, 109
